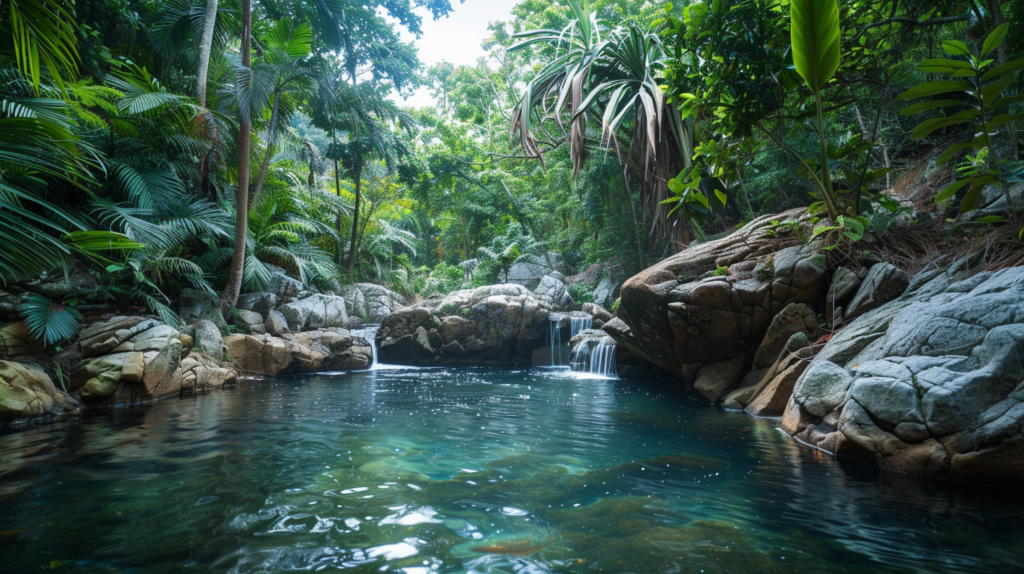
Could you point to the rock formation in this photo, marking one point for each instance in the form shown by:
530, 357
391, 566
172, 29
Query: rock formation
370, 302
27, 393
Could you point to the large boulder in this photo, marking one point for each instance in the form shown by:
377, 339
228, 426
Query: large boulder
26, 393
883, 283
282, 285
308, 352
492, 325
198, 305
554, 293
530, 270
208, 340
199, 371
370, 302
929, 384
16, 340
606, 291
315, 312
715, 301
262, 303
58, 287
129, 359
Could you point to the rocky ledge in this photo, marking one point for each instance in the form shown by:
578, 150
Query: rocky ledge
492, 325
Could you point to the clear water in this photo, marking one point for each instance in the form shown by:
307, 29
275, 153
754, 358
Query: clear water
470, 470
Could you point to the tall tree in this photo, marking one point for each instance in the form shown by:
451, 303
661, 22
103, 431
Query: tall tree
236, 271
205, 48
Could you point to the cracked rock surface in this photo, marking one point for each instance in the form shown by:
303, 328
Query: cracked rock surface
28, 393
931, 384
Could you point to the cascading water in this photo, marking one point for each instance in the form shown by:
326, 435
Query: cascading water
369, 332
595, 358
555, 338
580, 323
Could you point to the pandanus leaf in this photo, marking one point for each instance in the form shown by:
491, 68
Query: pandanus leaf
815, 35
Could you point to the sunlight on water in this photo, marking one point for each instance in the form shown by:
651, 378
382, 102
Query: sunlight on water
470, 470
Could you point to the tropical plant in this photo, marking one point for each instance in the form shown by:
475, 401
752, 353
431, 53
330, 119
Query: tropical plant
975, 98
48, 321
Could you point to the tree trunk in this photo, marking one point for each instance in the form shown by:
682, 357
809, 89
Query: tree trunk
205, 48
234, 286
270, 149
355, 215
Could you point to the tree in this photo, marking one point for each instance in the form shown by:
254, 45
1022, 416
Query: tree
236, 270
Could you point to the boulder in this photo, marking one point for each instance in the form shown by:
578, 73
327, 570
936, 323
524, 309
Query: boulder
931, 383
275, 323
606, 292
794, 318
208, 340
599, 313
262, 303
530, 270
249, 321
58, 287
198, 305
127, 359
307, 352
553, 292
315, 312
770, 397
16, 341
715, 380
282, 285
201, 372
883, 283
715, 301
370, 302
27, 393
491, 325
844, 285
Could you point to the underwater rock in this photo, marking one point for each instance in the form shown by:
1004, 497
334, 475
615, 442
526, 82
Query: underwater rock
930, 384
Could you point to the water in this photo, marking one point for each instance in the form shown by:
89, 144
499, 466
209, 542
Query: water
579, 323
597, 359
369, 332
555, 339
441, 470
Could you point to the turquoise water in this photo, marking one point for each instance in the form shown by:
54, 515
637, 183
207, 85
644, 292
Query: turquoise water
470, 470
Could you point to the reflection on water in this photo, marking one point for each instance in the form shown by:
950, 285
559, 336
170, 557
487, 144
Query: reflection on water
470, 470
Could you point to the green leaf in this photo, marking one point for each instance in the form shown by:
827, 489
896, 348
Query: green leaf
1003, 119
970, 201
929, 89
992, 92
943, 65
816, 37
721, 196
951, 151
956, 48
928, 127
995, 39
1011, 66
951, 190
928, 106
49, 321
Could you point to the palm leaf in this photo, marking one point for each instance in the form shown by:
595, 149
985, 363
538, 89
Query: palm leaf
49, 321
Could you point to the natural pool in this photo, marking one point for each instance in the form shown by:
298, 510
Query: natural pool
470, 470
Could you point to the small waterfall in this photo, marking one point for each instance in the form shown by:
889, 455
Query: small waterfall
596, 358
555, 338
580, 323
369, 332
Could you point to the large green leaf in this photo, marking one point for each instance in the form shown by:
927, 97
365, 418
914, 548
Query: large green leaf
815, 35
928, 89
49, 321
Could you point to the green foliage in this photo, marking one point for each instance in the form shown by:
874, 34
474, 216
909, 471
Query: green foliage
581, 293
975, 100
48, 321
444, 279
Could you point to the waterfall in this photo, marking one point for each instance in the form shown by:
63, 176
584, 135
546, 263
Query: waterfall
595, 358
555, 338
580, 323
369, 332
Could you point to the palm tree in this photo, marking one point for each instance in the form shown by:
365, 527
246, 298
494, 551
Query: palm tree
205, 48
237, 269
612, 76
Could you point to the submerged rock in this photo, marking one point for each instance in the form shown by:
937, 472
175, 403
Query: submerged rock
930, 384
492, 325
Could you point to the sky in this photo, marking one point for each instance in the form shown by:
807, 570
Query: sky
457, 38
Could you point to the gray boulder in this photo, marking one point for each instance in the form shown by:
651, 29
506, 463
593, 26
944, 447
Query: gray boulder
529, 271
554, 293
883, 283
208, 340
929, 384
282, 285
794, 318
198, 305
261, 303
370, 302
606, 292
315, 312
844, 285
309, 352
715, 380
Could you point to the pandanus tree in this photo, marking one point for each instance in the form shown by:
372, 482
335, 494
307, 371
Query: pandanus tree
611, 76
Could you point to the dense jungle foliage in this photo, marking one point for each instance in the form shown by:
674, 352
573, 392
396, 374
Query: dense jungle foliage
165, 144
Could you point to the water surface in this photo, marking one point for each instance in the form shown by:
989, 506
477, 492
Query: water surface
470, 470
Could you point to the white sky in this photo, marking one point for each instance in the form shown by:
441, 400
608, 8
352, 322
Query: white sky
457, 38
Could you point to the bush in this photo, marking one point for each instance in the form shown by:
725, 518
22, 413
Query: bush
443, 279
581, 293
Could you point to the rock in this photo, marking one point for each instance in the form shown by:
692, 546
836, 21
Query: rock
770, 397
208, 340
492, 325
599, 313
276, 324
930, 384
717, 379
307, 352
127, 359
553, 292
314, 312
282, 285
844, 285
16, 341
201, 372
262, 303
606, 292
683, 311
370, 302
196, 305
883, 283
794, 318
251, 322
57, 287
529, 272
27, 393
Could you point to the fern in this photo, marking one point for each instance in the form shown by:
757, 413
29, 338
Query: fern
48, 321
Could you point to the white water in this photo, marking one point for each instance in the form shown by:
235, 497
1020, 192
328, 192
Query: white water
580, 323
555, 338
595, 359
369, 332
